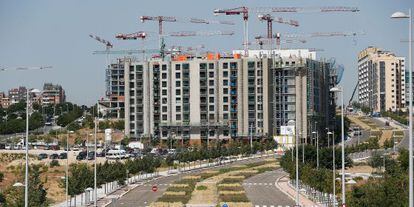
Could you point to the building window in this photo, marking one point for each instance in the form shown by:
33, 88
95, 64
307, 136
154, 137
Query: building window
177, 83
211, 108
225, 90
164, 67
203, 66
259, 72
164, 117
178, 117
164, 84
178, 92
178, 108
211, 116
250, 65
225, 82
225, 108
211, 91
177, 67
225, 99
211, 65
164, 75
211, 74
164, 109
225, 74
225, 65
211, 99
177, 75
164, 92
211, 82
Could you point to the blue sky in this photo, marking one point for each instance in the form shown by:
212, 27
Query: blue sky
54, 32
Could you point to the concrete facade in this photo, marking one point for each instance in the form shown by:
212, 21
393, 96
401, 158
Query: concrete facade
381, 77
198, 99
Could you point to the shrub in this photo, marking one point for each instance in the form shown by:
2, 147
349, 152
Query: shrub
54, 163
233, 197
201, 187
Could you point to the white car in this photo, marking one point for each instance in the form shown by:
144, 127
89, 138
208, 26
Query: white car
116, 154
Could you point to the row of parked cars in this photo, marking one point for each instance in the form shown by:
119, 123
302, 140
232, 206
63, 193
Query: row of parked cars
53, 156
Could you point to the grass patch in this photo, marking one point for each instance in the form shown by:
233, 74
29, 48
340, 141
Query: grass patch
265, 169
233, 197
201, 187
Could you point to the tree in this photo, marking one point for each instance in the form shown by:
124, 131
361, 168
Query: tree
14, 196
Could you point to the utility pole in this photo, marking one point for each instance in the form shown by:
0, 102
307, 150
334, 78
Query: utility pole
94, 182
26, 177
251, 138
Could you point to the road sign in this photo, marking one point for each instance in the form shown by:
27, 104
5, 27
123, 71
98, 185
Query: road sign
225, 205
154, 188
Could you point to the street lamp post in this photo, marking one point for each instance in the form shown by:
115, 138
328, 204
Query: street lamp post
339, 90
26, 175
317, 149
94, 171
401, 15
293, 123
333, 167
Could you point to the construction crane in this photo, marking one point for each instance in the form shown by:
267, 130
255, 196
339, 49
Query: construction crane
244, 11
134, 36
269, 41
125, 52
25, 68
199, 33
108, 47
270, 19
131, 36
162, 19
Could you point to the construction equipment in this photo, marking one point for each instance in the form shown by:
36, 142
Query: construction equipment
245, 12
199, 33
270, 19
162, 19
303, 37
125, 52
26, 68
108, 46
131, 36
105, 42
134, 36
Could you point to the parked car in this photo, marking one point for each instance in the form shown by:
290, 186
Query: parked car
42, 156
91, 155
116, 154
63, 155
54, 156
81, 156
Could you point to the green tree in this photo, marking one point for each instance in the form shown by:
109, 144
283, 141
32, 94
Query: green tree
14, 196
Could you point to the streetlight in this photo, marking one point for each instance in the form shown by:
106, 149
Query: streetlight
26, 176
293, 123
401, 15
317, 149
67, 167
339, 90
333, 166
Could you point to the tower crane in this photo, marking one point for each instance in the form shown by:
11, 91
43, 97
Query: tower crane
162, 19
25, 68
133, 36
303, 37
108, 46
199, 33
270, 19
244, 11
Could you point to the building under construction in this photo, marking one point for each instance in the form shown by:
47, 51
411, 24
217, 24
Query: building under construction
201, 98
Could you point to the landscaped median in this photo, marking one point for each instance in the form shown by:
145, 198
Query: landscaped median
214, 186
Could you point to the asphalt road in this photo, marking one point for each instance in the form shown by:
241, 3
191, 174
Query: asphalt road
143, 196
261, 190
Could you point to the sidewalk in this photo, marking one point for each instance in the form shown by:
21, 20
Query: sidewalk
283, 184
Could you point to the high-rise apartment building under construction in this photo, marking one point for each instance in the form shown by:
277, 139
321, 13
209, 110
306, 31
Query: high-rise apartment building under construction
197, 99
